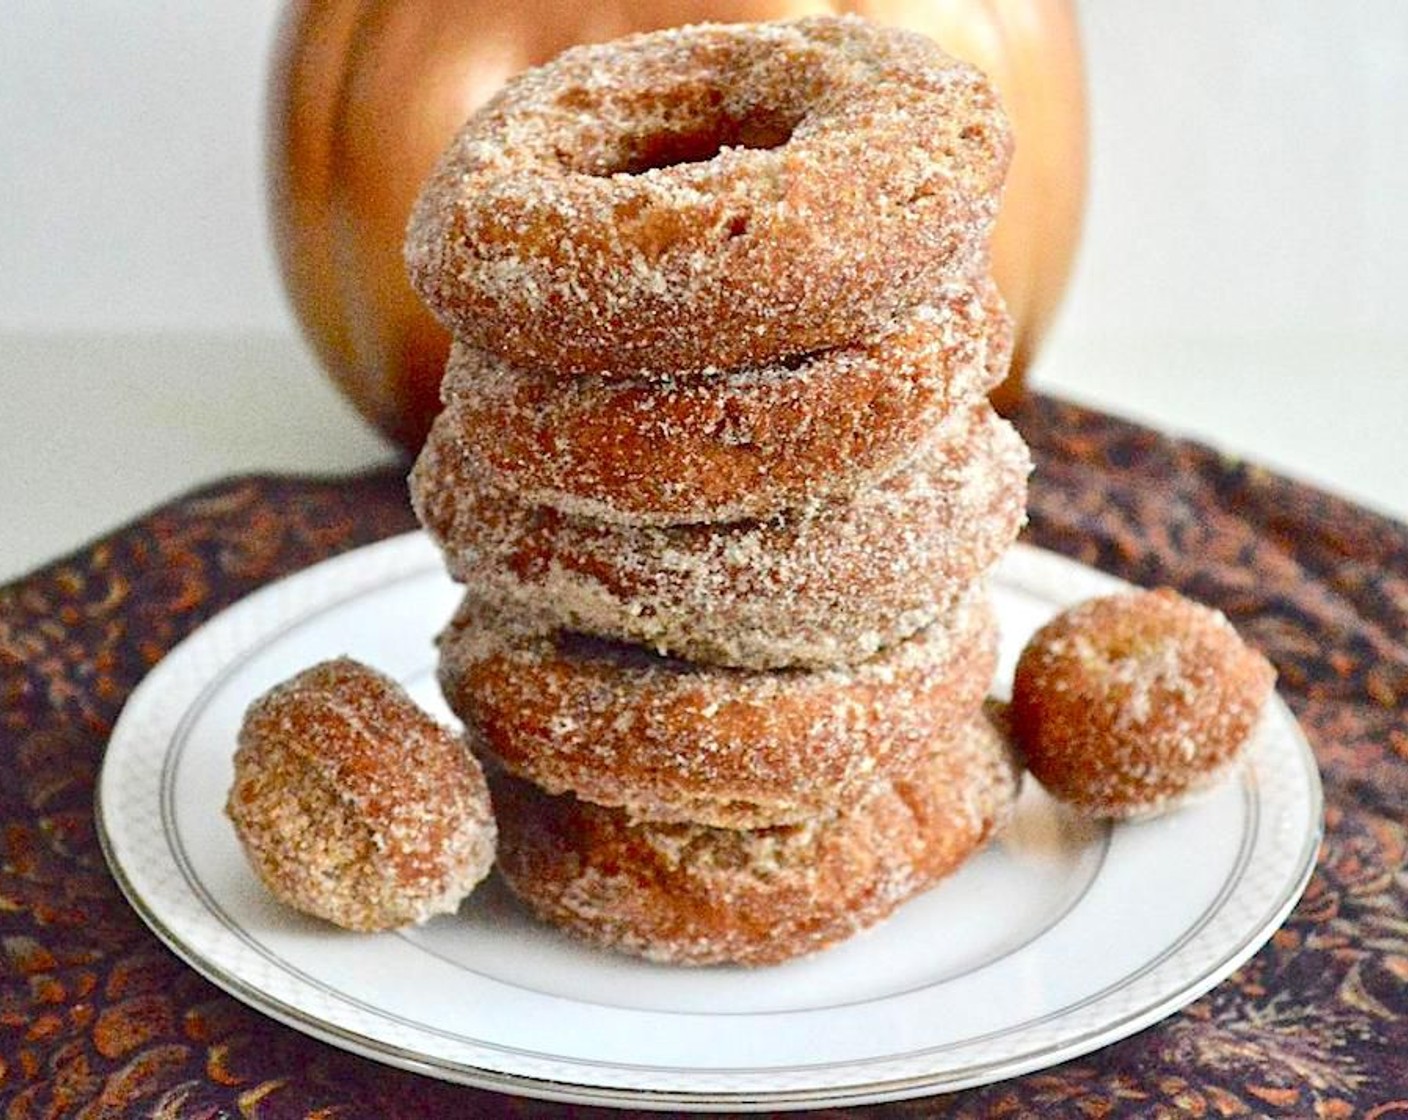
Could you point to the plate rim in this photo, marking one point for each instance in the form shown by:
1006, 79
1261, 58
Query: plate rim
367, 566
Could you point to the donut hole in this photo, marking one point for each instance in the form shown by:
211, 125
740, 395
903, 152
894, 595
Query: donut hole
694, 141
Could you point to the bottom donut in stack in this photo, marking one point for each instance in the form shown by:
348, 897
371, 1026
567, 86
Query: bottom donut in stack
693, 894
697, 814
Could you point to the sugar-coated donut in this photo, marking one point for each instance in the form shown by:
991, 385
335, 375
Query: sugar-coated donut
1001, 340
355, 806
747, 443
690, 894
710, 197
828, 585
1125, 704
670, 740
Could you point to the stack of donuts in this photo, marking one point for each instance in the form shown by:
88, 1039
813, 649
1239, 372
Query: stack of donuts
717, 471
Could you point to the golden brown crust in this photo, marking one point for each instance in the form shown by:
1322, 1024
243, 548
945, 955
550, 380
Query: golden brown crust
742, 444
1125, 704
670, 740
710, 197
829, 585
355, 806
689, 894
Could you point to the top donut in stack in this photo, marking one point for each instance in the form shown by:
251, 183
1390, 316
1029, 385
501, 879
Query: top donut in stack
716, 403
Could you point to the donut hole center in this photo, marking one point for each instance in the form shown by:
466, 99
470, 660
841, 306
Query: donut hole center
696, 141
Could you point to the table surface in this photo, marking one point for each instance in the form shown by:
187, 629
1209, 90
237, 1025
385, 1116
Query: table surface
98, 428
1312, 1025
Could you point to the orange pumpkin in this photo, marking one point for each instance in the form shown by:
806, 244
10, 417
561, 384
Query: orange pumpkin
365, 96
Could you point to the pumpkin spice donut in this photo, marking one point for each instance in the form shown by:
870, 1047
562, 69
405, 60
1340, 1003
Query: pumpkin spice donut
828, 585
670, 740
1125, 705
355, 806
710, 197
695, 895
743, 444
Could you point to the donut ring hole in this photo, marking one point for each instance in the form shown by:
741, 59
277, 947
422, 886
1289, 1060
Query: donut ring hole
657, 151
687, 128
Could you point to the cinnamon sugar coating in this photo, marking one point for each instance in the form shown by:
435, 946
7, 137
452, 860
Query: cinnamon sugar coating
670, 740
354, 806
1001, 332
690, 894
718, 472
740, 444
710, 197
1126, 704
826, 585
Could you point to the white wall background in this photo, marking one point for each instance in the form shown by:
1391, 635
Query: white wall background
1242, 278
130, 165
1250, 167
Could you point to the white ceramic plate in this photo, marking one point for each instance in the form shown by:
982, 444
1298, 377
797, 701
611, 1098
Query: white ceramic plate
1059, 939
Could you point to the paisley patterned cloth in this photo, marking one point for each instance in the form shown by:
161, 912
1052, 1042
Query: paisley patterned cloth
98, 1019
